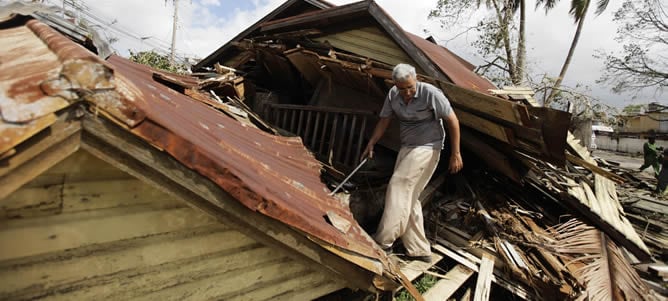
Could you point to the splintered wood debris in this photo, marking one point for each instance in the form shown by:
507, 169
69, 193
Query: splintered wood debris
533, 216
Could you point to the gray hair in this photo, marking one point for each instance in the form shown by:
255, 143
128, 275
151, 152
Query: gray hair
403, 72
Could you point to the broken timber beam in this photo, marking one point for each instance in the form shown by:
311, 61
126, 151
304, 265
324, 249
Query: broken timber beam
472, 262
595, 169
445, 288
484, 284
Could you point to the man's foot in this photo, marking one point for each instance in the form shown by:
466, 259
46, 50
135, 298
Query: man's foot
425, 258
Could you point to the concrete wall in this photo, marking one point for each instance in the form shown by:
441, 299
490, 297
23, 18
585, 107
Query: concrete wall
624, 144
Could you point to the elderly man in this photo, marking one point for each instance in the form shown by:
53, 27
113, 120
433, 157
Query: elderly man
419, 107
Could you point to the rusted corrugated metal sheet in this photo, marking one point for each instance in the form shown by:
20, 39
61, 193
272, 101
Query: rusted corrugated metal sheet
273, 175
451, 65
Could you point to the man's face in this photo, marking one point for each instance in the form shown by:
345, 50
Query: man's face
407, 88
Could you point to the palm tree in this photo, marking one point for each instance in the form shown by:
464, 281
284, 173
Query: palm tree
578, 11
497, 36
505, 10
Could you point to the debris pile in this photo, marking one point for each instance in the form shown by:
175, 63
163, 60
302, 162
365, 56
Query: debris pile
529, 199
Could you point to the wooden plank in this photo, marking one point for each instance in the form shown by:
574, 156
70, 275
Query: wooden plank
17, 133
303, 21
659, 270
445, 288
199, 278
128, 153
250, 283
301, 283
491, 155
595, 169
651, 206
38, 164
492, 106
368, 45
66, 231
415, 268
307, 64
38, 144
484, 283
466, 259
82, 196
467, 295
79, 167
62, 269
485, 126
400, 37
311, 290
29, 202
578, 149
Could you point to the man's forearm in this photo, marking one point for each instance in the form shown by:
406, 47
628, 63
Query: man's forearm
453, 132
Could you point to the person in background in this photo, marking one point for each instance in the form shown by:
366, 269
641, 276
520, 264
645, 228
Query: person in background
663, 175
420, 109
651, 153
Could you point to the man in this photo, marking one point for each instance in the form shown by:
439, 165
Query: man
662, 182
651, 152
419, 107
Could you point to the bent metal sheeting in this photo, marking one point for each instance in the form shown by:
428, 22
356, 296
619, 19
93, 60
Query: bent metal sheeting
273, 175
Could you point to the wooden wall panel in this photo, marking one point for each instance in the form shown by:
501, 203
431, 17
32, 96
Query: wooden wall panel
370, 42
110, 236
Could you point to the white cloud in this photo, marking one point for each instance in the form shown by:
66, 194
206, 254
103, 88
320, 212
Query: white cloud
211, 2
201, 31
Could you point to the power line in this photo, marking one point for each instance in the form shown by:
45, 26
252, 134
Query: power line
91, 17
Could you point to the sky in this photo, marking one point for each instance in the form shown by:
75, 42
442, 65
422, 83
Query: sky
205, 25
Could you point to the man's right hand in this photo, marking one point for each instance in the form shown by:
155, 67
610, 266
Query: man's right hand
368, 152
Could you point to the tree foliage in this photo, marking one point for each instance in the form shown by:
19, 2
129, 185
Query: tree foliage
578, 11
501, 40
643, 29
156, 60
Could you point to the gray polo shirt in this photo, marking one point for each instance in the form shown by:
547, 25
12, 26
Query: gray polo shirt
420, 120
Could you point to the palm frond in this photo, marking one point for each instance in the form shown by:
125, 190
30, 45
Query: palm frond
604, 270
579, 9
601, 6
547, 4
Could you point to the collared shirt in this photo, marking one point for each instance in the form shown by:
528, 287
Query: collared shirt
420, 121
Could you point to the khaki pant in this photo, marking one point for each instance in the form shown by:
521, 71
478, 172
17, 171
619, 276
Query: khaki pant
402, 216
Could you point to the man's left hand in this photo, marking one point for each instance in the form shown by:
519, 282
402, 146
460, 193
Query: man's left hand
456, 163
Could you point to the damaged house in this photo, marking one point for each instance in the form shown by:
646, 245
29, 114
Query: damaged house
124, 182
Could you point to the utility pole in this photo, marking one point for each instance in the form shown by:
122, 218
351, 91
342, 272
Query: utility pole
176, 17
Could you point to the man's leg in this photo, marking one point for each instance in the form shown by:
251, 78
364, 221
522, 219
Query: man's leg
657, 168
399, 194
414, 238
662, 183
